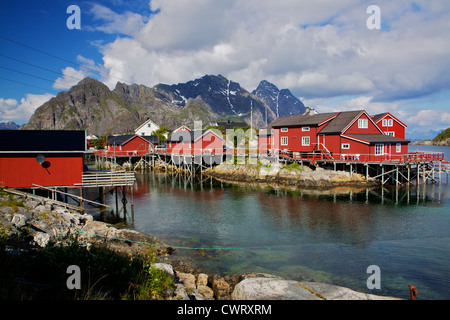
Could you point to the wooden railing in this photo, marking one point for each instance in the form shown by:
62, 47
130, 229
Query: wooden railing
107, 179
110, 154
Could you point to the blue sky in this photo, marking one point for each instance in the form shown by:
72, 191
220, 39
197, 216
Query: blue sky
321, 50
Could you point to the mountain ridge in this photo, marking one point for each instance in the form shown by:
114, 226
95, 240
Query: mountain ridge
92, 106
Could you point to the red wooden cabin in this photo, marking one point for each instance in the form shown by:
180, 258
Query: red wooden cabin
195, 142
338, 136
130, 145
41, 157
390, 125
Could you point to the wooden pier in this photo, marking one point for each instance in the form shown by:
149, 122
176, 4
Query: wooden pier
418, 167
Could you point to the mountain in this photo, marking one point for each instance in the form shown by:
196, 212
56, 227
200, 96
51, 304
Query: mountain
282, 102
91, 105
9, 126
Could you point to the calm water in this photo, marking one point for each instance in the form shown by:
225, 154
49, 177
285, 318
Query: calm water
329, 237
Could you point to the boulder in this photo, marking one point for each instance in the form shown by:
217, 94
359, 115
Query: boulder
271, 289
187, 279
166, 267
202, 279
206, 292
221, 288
263, 288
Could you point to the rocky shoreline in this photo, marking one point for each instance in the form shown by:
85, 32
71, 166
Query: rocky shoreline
445, 143
34, 223
288, 176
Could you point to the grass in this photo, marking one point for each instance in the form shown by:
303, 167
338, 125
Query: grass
42, 273
293, 166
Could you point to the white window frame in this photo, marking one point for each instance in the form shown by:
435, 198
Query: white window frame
284, 129
306, 128
306, 141
284, 141
379, 152
398, 148
345, 146
390, 123
363, 123
385, 123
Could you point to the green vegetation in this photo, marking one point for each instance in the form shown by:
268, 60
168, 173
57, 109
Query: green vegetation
42, 273
160, 133
99, 144
442, 136
293, 166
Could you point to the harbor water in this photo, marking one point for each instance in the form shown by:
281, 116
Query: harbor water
329, 236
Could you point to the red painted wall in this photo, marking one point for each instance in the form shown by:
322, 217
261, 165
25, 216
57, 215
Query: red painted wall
140, 145
22, 171
397, 128
371, 128
208, 143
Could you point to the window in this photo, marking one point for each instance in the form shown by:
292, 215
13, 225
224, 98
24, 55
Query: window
363, 123
387, 123
391, 134
284, 141
346, 146
398, 148
149, 125
305, 141
379, 149
284, 129
305, 129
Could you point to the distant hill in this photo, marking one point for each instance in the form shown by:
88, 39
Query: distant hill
91, 105
443, 136
442, 139
9, 126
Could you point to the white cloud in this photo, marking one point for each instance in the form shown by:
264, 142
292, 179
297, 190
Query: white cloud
12, 110
70, 78
316, 49
127, 23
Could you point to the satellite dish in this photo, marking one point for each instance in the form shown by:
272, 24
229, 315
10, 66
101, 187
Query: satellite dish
40, 158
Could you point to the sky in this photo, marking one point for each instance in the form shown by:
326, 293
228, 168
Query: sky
333, 55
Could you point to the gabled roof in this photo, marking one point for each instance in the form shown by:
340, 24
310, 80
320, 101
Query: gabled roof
378, 117
43, 140
180, 128
190, 136
121, 140
305, 120
341, 121
146, 122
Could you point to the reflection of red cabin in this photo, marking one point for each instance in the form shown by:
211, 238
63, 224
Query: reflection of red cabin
41, 157
390, 125
130, 145
195, 142
339, 135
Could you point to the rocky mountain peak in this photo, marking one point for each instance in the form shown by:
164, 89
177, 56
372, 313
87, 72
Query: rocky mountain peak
282, 102
90, 105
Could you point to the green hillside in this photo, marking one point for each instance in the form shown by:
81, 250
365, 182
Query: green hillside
442, 136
